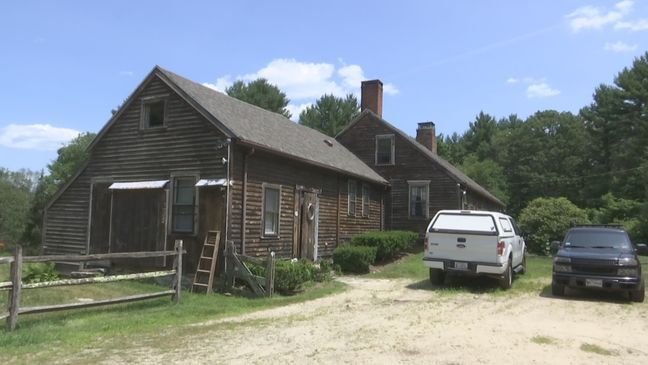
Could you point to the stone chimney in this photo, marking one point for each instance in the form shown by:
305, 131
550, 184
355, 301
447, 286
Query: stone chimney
372, 96
426, 135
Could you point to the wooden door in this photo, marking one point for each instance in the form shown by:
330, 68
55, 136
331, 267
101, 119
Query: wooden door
100, 218
308, 226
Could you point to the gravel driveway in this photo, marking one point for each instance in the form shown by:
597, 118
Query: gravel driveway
397, 321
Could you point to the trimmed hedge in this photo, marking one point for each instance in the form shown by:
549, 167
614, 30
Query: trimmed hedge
388, 244
291, 275
354, 259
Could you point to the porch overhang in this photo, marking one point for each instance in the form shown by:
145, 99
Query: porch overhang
139, 185
211, 182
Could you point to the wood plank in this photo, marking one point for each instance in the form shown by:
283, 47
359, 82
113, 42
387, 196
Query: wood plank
100, 279
103, 256
6, 260
16, 281
58, 307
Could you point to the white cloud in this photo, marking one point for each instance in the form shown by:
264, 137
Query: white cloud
635, 26
296, 109
541, 90
620, 47
591, 17
304, 82
512, 80
35, 136
221, 84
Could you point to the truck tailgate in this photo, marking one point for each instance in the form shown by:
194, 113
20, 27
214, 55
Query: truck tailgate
462, 247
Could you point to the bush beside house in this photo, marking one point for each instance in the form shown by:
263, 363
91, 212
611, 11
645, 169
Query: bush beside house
365, 249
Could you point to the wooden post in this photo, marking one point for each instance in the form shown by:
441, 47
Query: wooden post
178, 268
16, 282
270, 274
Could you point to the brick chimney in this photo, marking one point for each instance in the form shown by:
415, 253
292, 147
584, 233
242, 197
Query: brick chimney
426, 135
372, 96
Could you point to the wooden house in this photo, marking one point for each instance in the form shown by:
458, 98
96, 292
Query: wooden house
179, 159
422, 182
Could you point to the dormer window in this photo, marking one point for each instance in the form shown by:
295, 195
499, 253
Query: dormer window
385, 149
153, 113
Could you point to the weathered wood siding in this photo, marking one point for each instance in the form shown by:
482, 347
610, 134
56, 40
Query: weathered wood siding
264, 167
409, 164
187, 144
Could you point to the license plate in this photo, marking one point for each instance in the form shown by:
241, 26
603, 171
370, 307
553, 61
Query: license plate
596, 283
461, 265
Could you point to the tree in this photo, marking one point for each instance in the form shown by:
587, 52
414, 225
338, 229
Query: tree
330, 114
262, 94
547, 220
16, 190
617, 122
479, 137
70, 159
488, 174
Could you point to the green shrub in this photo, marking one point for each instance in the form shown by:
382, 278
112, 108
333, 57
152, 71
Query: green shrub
291, 275
388, 244
354, 259
547, 219
40, 272
324, 271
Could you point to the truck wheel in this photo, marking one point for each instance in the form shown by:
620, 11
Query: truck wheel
524, 263
437, 276
557, 290
507, 280
639, 294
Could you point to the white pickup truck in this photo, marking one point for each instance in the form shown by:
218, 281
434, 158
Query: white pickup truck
474, 243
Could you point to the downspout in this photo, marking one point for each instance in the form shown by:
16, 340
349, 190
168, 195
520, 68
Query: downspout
228, 187
244, 192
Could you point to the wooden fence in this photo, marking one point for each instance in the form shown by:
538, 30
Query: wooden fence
235, 268
15, 286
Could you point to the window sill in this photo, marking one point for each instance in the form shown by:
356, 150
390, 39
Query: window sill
385, 164
270, 237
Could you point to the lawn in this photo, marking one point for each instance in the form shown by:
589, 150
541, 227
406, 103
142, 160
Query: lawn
41, 337
536, 280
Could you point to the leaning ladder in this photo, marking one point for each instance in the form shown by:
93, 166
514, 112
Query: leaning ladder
207, 262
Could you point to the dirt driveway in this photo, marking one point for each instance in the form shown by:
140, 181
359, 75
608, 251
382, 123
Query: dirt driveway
397, 321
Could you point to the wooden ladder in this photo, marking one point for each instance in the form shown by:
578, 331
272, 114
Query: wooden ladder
207, 262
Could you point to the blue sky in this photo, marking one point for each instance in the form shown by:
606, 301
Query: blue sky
64, 65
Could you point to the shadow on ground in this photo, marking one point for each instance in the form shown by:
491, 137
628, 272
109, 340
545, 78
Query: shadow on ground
588, 295
468, 284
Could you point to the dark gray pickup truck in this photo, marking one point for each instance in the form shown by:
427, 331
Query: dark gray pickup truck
598, 257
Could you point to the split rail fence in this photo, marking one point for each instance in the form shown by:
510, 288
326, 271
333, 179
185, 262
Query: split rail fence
15, 286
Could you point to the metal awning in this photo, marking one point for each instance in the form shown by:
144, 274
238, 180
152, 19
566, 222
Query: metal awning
211, 182
136, 185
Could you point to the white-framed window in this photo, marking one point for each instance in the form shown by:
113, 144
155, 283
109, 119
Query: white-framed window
352, 193
506, 225
184, 204
153, 113
271, 209
419, 192
385, 149
366, 202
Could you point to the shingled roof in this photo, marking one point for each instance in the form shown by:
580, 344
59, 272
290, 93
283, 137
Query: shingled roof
263, 129
452, 171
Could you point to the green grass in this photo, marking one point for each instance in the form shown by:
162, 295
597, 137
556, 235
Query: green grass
596, 349
543, 340
537, 278
41, 336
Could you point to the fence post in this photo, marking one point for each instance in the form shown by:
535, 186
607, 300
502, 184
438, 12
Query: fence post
270, 275
16, 282
178, 268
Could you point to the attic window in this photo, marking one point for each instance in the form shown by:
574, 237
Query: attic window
153, 113
385, 149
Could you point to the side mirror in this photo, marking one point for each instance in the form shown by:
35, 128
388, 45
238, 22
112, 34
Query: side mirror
555, 245
642, 249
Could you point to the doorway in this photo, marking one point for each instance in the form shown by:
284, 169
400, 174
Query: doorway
306, 223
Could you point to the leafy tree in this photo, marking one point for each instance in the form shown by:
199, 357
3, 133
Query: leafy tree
488, 174
70, 159
480, 135
545, 156
547, 219
618, 210
16, 190
451, 148
617, 122
330, 114
262, 94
